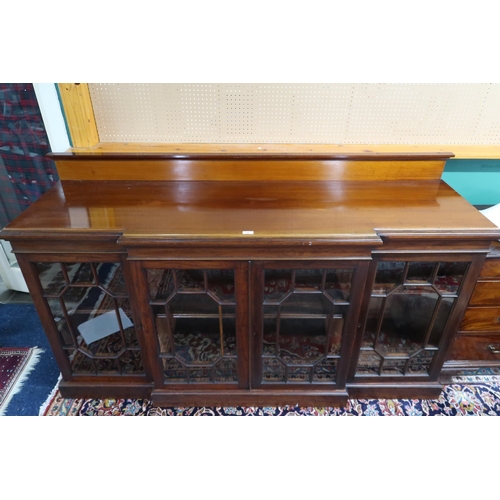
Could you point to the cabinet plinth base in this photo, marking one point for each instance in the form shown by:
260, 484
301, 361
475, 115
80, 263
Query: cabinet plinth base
102, 390
162, 397
456, 366
401, 391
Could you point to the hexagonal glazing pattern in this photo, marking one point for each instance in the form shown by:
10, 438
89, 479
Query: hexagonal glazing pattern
408, 311
195, 318
303, 319
80, 292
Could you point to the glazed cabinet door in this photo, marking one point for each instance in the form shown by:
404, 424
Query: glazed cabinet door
412, 309
305, 316
195, 316
88, 314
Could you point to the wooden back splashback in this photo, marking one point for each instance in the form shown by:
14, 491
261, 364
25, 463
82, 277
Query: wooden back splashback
252, 167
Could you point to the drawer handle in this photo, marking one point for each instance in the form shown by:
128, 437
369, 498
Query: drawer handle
494, 349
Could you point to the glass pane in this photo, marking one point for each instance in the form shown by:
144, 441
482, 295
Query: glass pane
325, 370
115, 286
450, 276
273, 370
226, 370
420, 362
303, 320
95, 328
174, 370
405, 322
190, 280
369, 363
160, 283
374, 316
221, 284
308, 279
335, 329
305, 303
389, 275
51, 278
409, 312
338, 284
443, 314
197, 341
85, 274
420, 272
199, 345
299, 373
195, 324
190, 304
302, 340
277, 283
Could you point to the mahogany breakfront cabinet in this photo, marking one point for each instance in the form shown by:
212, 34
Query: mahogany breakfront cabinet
257, 279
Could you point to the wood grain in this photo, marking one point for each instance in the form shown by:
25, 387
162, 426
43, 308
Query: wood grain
486, 319
486, 293
491, 269
305, 214
79, 114
305, 397
201, 168
476, 348
486, 151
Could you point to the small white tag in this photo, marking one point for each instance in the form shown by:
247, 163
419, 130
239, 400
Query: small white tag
246, 232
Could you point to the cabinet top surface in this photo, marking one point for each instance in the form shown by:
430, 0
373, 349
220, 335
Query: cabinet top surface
251, 210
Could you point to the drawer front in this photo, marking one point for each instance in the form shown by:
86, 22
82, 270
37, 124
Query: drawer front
476, 348
486, 293
481, 319
491, 268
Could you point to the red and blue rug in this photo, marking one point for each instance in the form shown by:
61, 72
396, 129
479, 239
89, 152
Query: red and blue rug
16, 363
475, 395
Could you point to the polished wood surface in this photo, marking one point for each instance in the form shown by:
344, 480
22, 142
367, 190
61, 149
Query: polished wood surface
491, 269
400, 391
175, 211
79, 114
486, 293
485, 319
262, 167
310, 156
485, 151
304, 397
104, 390
477, 348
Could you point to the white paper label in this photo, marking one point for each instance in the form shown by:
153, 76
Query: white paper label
102, 326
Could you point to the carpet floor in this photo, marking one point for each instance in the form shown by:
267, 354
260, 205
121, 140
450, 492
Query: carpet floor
15, 366
474, 395
20, 327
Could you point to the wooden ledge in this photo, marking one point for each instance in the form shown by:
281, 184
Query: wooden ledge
88, 155
477, 151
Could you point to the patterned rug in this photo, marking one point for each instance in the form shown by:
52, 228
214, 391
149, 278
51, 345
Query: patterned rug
16, 363
472, 395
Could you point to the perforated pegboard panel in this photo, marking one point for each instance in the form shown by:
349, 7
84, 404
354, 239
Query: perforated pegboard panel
389, 113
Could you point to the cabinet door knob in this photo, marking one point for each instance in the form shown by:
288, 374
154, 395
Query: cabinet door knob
494, 349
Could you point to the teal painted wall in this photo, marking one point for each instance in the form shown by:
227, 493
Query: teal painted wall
478, 181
